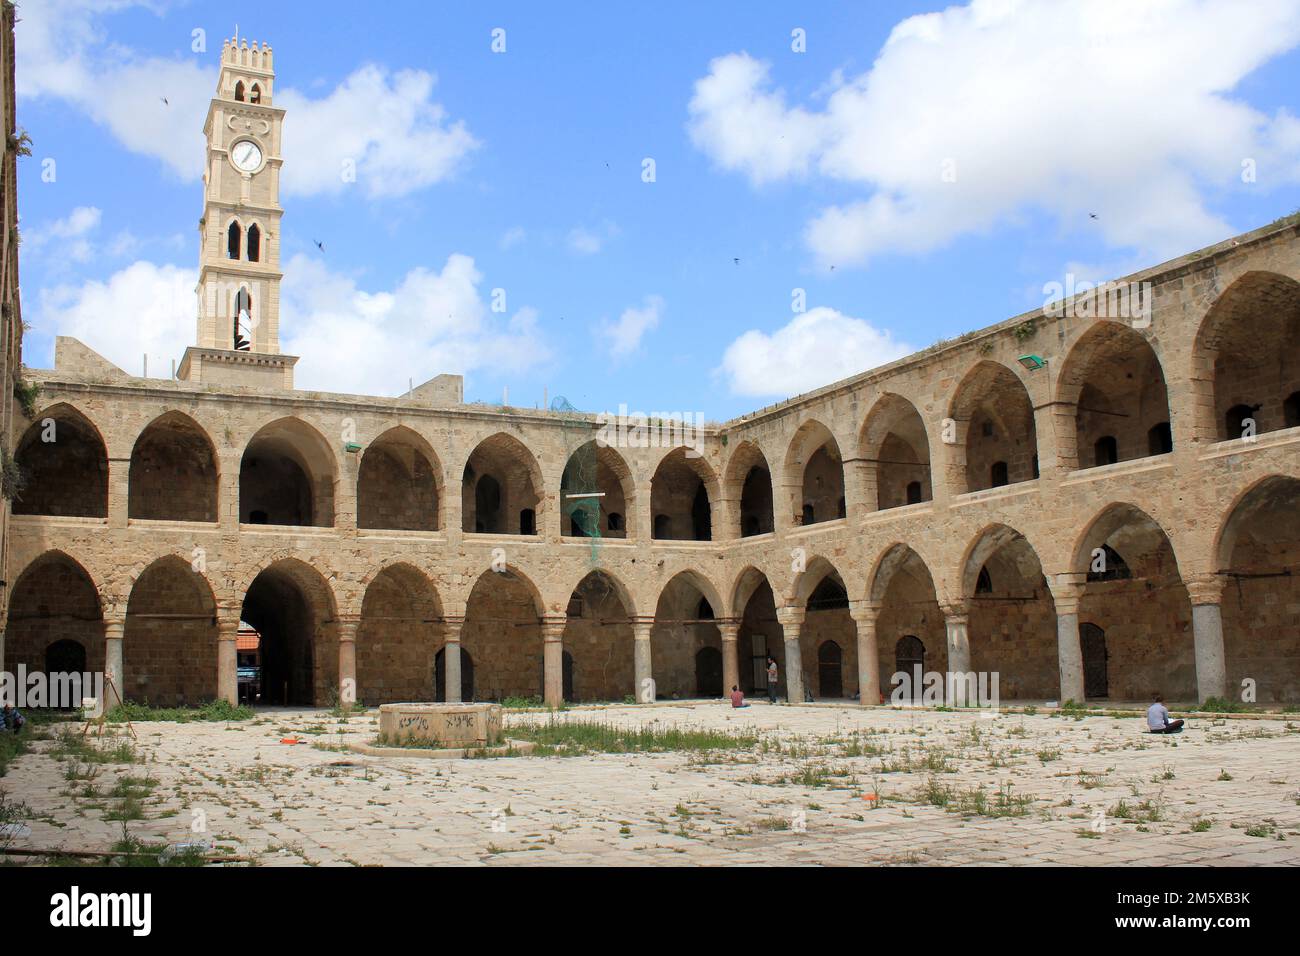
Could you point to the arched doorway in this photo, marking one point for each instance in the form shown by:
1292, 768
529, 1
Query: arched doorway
830, 670
1096, 679
909, 659
708, 672
291, 607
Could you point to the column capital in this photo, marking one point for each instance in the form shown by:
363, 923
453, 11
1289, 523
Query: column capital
1067, 590
114, 627
730, 627
1204, 588
451, 627
956, 613
348, 624
790, 615
553, 627
641, 628
865, 612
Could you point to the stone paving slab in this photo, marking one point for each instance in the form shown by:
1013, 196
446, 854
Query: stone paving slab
1088, 791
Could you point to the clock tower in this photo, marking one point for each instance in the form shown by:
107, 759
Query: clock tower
239, 234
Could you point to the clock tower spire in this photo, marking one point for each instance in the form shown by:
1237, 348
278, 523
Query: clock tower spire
239, 254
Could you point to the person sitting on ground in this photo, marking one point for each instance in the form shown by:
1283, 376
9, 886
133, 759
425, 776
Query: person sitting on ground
1158, 721
13, 718
737, 697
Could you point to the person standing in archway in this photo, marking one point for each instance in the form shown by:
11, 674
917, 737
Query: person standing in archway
772, 677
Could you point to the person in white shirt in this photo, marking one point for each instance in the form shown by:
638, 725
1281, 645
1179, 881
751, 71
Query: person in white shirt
1158, 721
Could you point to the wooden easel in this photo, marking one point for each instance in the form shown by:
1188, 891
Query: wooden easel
102, 719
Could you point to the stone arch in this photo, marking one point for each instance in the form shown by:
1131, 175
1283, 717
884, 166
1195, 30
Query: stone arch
599, 637
902, 587
895, 450
399, 483
293, 609
684, 625
287, 475
54, 598
1012, 616
1247, 354
1257, 552
759, 633
512, 500
747, 481
682, 493
997, 442
814, 474
169, 645
821, 593
398, 636
597, 493
502, 633
174, 471
1142, 606
1113, 379
64, 463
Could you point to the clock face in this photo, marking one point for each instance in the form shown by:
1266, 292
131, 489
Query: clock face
246, 155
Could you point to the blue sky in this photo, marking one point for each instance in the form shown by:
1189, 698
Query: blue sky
919, 171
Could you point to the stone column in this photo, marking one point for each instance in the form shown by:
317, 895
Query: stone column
864, 616
114, 686
640, 523
1066, 592
228, 492
948, 461
1206, 592
956, 619
553, 660
859, 487
643, 661
730, 628
227, 655
791, 619
347, 625
451, 659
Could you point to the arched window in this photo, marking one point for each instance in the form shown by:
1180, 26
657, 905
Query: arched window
998, 474
841, 507
615, 521
243, 331
1160, 439
1237, 417
254, 243
255, 94
239, 91
984, 583
808, 515
1291, 410
233, 236
663, 526
527, 521
1106, 450
704, 611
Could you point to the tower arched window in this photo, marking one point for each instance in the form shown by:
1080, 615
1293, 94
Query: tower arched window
243, 330
254, 243
255, 94
233, 237
239, 91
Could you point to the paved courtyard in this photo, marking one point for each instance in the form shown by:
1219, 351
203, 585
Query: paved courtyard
949, 789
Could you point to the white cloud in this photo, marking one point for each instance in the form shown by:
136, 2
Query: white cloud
68, 238
349, 339
144, 308
387, 125
513, 237
588, 241
1067, 107
353, 340
623, 337
815, 348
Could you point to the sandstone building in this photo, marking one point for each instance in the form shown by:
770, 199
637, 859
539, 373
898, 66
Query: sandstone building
1092, 506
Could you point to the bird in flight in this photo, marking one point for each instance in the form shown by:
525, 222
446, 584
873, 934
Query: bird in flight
319, 245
